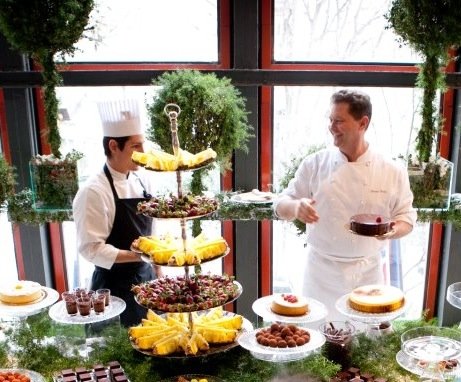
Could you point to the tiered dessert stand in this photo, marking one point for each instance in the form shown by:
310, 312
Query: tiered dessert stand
454, 296
173, 111
425, 349
373, 321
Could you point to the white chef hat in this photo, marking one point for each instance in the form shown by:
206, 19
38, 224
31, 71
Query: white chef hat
120, 118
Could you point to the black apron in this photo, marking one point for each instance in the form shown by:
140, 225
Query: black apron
128, 225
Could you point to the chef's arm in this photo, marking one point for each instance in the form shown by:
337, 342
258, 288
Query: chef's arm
301, 209
125, 256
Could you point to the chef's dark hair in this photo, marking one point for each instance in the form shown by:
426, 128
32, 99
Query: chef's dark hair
120, 143
359, 103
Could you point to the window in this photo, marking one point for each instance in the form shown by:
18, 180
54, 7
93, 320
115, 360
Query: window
151, 31
341, 31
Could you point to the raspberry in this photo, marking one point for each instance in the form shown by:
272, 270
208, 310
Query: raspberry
378, 219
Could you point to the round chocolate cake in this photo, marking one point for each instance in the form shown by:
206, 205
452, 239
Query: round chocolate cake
370, 224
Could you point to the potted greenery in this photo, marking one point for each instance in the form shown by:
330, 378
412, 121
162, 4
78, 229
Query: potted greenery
431, 28
44, 29
212, 115
7, 181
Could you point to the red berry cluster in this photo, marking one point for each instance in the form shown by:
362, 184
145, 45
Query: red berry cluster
290, 298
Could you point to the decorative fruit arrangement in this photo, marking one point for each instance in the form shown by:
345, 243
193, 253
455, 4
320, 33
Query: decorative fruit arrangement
173, 334
282, 336
181, 294
158, 160
170, 251
186, 206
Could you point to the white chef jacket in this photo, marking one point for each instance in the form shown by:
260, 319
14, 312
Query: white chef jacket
338, 260
94, 212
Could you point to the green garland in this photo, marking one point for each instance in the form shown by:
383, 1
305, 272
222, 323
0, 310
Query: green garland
7, 181
431, 28
44, 29
49, 350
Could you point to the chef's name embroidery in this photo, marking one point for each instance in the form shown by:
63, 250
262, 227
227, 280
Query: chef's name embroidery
379, 191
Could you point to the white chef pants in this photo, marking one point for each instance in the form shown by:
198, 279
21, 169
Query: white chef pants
328, 278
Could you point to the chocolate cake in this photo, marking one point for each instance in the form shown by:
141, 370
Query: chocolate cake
370, 224
113, 372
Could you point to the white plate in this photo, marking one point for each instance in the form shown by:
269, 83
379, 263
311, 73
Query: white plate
342, 305
262, 307
49, 297
59, 313
454, 295
33, 375
411, 364
266, 353
253, 197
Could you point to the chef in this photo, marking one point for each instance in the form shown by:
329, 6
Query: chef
336, 183
105, 212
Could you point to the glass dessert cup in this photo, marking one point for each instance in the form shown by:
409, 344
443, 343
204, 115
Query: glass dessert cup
430, 345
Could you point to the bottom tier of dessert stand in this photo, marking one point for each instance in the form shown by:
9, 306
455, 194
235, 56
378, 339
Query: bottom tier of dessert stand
373, 321
454, 296
426, 349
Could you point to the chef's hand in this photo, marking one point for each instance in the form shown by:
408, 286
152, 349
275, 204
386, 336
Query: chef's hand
399, 229
305, 211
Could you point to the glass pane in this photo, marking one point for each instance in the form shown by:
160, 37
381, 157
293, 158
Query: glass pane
298, 129
336, 31
81, 129
149, 31
9, 268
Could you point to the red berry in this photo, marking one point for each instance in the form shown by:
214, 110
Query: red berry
378, 219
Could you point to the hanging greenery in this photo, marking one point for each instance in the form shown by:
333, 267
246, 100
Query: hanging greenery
44, 29
431, 28
7, 181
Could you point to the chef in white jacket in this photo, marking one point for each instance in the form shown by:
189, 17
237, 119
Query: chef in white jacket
105, 212
334, 184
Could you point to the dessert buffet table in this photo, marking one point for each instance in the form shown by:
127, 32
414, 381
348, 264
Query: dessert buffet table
236, 364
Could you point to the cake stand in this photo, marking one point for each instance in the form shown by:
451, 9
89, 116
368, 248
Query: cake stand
317, 312
454, 296
372, 320
431, 345
49, 297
